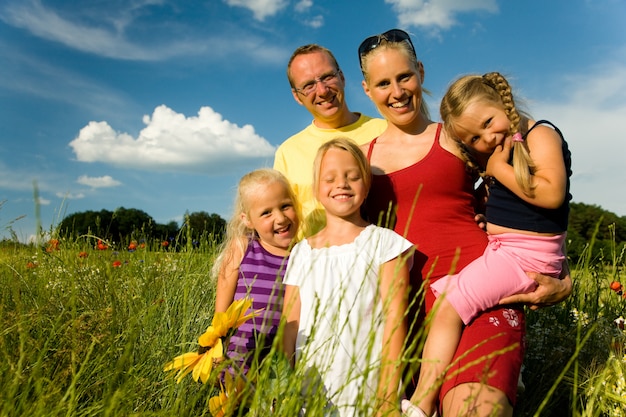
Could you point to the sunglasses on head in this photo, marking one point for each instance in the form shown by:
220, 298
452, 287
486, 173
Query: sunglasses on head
373, 42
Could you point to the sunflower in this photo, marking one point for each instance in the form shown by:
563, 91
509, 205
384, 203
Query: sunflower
229, 396
212, 342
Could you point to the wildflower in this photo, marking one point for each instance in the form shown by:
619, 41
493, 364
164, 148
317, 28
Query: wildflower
53, 244
165, 244
218, 403
83, 254
617, 287
619, 322
228, 397
117, 264
31, 265
132, 246
102, 245
580, 317
212, 342
200, 363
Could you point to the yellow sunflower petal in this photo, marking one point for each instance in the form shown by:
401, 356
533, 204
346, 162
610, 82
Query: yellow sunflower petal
181, 361
241, 320
218, 350
217, 405
236, 310
203, 369
183, 373
221, 324
208, 338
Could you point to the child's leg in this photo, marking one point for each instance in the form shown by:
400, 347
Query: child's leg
443, 338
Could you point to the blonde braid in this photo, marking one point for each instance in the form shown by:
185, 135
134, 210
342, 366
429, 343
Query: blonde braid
523, 165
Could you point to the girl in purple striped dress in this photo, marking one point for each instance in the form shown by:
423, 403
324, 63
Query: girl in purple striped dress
254, 257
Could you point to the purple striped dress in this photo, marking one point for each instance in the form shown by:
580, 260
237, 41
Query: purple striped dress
260, 278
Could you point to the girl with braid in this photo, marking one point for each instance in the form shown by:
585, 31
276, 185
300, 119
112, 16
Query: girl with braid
527, 165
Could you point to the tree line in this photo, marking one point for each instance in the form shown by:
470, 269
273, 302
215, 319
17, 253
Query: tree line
125, 225
592, 230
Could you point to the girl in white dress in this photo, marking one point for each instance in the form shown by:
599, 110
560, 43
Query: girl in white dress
346, 294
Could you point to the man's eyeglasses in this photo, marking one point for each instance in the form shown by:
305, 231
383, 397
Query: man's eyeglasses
373, 42
326, 79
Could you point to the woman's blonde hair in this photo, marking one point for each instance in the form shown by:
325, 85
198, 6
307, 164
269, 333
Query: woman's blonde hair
495, 89
349, 146
237, 232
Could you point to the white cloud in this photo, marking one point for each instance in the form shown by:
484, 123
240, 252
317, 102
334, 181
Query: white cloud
260, 8
33, 76
172, 142
92, 38
103, 32
43, 201
438, 14
303, 5
590, 116
70, 196
315, 22
105, 181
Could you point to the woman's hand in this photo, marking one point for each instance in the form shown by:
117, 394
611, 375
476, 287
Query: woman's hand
549, 291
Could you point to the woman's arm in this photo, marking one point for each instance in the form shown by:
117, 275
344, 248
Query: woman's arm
549, 291
394, 288
291, 316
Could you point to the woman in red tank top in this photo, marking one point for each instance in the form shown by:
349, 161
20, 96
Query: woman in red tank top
422, 190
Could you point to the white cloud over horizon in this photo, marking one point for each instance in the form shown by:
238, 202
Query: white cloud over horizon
437, 14
260, 8
70, 196
105, 181
173, 142
97, 34
590, 115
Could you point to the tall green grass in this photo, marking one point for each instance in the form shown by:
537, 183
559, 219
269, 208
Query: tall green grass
82, 337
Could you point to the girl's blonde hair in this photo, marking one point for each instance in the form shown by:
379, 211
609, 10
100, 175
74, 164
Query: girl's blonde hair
237, 232
495, 89
349, 146
406, 49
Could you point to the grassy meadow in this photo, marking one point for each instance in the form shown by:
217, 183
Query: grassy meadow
86, 328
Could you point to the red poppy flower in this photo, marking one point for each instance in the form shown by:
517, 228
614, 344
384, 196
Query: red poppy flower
102, 245
53, 244
117, 264
31, 265
83, 254
616, 286
165, 244
132, 246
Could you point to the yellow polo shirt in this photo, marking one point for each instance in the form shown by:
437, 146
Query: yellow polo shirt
295, 156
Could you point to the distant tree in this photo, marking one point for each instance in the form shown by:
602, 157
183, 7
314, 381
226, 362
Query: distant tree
118, 225
583, 220
87, 222
166, 231
202, 223
127, 221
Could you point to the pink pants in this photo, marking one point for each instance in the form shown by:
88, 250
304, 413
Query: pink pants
501, 271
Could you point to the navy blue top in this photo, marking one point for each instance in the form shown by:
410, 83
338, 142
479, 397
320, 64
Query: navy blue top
504, 208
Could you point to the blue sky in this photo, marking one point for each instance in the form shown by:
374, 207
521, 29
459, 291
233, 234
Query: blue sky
161, 105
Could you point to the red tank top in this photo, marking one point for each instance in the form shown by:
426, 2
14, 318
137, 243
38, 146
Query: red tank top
434, 202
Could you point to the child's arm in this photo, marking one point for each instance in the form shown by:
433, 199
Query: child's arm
394, 288
291, 315
227, 276
550, 176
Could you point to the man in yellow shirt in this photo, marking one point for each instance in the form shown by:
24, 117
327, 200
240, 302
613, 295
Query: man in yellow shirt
317, 83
